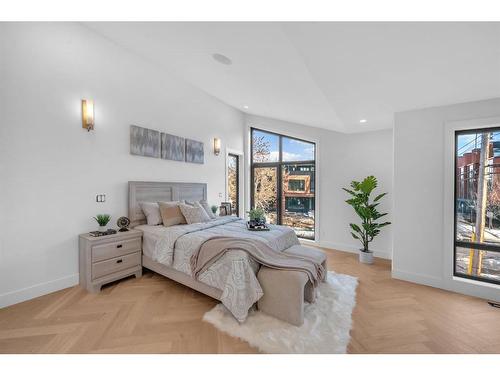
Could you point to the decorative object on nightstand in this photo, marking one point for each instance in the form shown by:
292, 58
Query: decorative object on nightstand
222, 211
102, 220
123, 223
97, 233
214, 209
108, 258
225, 209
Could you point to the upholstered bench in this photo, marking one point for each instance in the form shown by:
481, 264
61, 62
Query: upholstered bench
316, 255
285, 291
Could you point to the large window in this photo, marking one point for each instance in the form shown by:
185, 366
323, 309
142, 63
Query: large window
477, 204
233, 177
283, 180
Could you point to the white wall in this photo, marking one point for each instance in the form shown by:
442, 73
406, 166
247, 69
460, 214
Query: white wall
51, 169
422, 147
341, 158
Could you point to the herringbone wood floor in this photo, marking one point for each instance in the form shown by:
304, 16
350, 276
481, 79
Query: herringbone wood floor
156, 315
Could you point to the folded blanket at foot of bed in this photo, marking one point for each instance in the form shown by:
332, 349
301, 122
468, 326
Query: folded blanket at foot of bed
214, 248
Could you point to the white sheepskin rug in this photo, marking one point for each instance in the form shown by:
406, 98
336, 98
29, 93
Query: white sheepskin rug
326, 327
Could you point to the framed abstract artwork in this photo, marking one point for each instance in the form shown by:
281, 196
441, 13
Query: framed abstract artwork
144, 142
173, 147
194, 152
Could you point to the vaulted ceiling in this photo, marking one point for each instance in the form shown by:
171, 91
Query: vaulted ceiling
328, 75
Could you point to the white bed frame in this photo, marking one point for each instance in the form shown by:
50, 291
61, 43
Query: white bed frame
146, 191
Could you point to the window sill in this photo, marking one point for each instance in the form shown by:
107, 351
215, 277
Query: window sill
306, 241
476, 282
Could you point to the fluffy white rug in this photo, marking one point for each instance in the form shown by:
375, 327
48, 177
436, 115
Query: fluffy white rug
326, 327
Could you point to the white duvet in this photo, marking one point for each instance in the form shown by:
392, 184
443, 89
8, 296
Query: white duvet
234, 273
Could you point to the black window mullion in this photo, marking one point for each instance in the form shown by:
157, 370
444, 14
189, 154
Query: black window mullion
478, 246
252, 187
301, 162
280, 150
274, 163
251, 169
279, 194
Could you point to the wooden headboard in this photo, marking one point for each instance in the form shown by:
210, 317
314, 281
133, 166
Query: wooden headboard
146, 191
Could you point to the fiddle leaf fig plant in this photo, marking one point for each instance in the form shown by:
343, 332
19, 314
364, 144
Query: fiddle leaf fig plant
366, 209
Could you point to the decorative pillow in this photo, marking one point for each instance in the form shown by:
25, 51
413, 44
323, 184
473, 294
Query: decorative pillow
204, 204
207, 209
194, 214
152, 212
171, 213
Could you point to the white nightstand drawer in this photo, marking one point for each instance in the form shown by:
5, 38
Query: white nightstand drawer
115, 249
110, 266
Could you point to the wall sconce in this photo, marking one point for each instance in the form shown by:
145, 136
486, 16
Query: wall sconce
217, 146
88, 114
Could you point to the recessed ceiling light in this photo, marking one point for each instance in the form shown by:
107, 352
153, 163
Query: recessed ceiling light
222, 59
245, 107
362, 121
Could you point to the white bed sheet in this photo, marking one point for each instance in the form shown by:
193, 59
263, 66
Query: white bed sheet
150, 237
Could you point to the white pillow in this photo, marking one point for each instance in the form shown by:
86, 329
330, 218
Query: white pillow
203, 203
208, 210
152, 212
194, 214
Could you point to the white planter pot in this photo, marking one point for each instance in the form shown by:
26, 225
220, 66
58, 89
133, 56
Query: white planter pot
366, 257
103, 228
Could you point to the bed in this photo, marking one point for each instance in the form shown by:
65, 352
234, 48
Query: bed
166, 250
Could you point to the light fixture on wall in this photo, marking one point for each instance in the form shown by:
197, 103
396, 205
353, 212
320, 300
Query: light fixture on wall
88, 114
216, 146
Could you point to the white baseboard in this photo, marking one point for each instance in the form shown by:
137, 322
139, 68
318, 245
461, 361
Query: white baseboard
418, 278
458, 285
353, 249
38, 290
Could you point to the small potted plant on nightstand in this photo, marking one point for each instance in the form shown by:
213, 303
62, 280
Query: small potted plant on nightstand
214, 209
360, 200
102, 220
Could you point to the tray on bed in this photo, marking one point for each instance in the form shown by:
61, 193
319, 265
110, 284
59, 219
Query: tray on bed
257, 229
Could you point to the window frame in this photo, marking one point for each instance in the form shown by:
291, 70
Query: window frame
279, 169
465, 244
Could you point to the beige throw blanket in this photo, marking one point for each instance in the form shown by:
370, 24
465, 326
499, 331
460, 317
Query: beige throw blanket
215, 247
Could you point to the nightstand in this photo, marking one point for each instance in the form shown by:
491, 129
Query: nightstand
109, 258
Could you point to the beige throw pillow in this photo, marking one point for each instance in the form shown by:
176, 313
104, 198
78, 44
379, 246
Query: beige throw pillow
171, 213
194, 214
